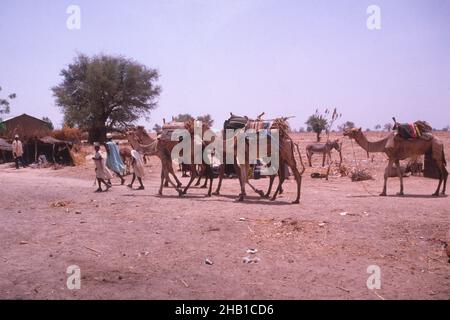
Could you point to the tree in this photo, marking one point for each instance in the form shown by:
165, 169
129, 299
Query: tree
157, 128
388, 127
346, 126
206, 119
183, 117
319, 122
378, 127
49, 123
446, 129
4, 103
103, 93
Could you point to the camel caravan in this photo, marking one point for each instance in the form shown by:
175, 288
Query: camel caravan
254, 148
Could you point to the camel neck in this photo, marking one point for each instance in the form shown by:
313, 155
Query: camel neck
369, 146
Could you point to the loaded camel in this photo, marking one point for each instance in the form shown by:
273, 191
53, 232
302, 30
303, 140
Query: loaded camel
397, 148
286, 157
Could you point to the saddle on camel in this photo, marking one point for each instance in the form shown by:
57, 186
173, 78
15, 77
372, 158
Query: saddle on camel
418, 130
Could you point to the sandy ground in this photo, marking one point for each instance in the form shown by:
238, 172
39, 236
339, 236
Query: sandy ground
134, 244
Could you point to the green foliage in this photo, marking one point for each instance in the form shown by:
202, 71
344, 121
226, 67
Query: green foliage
5, 103
206, 119
183, 117
319, 122
49, 123
103, 93
346, 125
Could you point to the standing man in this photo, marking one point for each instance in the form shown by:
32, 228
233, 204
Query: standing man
113, 160
17, 149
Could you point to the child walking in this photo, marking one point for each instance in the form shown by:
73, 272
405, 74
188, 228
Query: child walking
101, 172
138, 169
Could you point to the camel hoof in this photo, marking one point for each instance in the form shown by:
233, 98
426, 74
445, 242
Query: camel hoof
203, 187
267, 196
383, 194
241, 198
261, 193
435, 194
443, 193
296, 202
400, 194
216, 193
208, 195
273, 199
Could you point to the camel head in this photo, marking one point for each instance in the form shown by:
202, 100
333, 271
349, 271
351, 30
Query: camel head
353, 133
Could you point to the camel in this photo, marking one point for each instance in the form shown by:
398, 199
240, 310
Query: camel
397, 149
125, 154
164, 148
152, 149
286, 157
324, 149
144, 139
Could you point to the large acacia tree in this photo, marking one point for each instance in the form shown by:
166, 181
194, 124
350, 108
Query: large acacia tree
103, 93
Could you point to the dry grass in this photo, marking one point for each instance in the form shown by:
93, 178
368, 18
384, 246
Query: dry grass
360, 175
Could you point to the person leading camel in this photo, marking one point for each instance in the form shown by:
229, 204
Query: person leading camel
101, 171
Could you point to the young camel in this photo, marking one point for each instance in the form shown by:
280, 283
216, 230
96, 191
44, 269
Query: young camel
397, 149
323, 148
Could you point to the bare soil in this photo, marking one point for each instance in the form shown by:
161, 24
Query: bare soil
133, 244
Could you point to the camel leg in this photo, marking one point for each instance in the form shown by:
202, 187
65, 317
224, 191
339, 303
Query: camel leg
309, 156
386, 176
281, 178
162, 182
260, 192
441, 178
221, 175
209, 176
201, 173
240, 170
170, 167
323, 159
400, 175
193, 176
298, 179
444, 169
272, 179
205, 184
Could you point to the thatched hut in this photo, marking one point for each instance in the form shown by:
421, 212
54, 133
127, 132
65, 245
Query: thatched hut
5, 151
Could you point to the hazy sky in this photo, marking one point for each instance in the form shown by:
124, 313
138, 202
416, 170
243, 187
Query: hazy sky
245, 56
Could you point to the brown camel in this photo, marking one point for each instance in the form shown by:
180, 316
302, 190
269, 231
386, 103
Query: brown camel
165, 146
397, 149
286, 157
144, 139
152, 149
125, 154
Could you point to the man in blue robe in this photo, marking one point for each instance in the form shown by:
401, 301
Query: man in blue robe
114, 160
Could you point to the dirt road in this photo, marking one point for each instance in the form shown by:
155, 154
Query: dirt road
134, 244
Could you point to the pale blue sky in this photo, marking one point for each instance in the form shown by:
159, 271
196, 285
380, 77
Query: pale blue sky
245, 56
